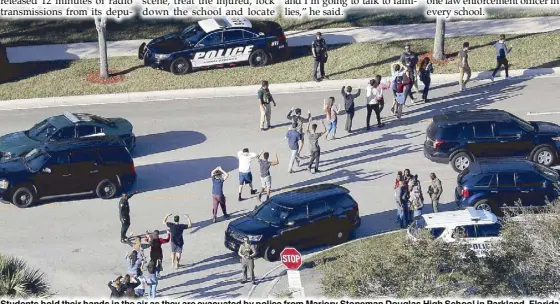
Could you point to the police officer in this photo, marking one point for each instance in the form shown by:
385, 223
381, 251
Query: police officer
247, 252
434, 190
124, 214
319, 49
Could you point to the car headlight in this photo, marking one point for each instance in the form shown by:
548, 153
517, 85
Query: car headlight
254, 238
161, 56
4, 184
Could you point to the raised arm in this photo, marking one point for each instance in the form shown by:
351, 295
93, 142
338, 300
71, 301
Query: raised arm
189, 222
276, 162
214, 171
357, 94
165, 219
305, 120
342, 91
225, 175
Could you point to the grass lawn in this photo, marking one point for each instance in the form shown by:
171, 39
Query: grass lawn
360, 60
14, 33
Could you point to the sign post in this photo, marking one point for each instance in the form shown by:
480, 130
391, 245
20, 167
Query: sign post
291, 258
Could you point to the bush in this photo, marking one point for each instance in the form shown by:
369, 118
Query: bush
19, 281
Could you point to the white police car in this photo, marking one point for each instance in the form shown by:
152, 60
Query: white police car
216, 42
479, 228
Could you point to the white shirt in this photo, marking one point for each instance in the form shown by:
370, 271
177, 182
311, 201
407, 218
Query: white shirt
245, 161
373, 94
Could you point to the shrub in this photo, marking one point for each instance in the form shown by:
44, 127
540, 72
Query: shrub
19, 281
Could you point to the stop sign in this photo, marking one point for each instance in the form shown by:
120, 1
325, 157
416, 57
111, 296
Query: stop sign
291, 258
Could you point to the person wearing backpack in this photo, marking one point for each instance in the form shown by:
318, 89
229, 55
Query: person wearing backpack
501, 52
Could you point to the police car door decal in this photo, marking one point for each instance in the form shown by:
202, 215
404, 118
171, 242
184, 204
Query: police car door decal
221, 56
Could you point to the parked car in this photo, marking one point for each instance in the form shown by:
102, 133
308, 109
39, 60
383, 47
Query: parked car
65, 127
491, 184
478, 228
216, 42
302, 218
461, 137
100, 165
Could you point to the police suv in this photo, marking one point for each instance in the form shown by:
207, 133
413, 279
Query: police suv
479, 228
216, 42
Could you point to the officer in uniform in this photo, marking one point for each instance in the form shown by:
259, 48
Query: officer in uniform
247, 252
124, 214
319, 49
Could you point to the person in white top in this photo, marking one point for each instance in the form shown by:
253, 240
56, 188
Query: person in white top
245, 177
396, 71
374, 94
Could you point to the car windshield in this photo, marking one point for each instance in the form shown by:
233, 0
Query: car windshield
41, 131
526, 126
272, 213
36, 159
549, 173
192, 34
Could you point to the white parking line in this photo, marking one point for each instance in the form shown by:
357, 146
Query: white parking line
542, 113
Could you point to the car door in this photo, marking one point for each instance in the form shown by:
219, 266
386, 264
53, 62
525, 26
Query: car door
296, 230
507, 191
62, 134
207, 50
485, 236
484, 143
55, 177
237, 46
88, 130
322, 221
512, 140
84, 169
531, 190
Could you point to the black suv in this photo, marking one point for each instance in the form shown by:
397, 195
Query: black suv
101, 165
302, 218
461, 137
491, 184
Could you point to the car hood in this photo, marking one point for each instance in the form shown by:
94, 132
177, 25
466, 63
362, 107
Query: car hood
251, 226
17, 143
121, 127
166, 44
13, 169
544, 127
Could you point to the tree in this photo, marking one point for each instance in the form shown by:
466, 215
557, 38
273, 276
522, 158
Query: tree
439, 40
101, 26
19, 281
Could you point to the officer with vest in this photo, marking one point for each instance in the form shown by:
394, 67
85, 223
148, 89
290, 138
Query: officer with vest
319, 50
247, 252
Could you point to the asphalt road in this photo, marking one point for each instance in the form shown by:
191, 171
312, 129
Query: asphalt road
76, 242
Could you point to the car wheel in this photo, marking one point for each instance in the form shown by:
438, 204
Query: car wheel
258, 58
106, 189
487, 205
272, 252
461, 161
340, 237
180, 66
23, 197
141, 50
545, 156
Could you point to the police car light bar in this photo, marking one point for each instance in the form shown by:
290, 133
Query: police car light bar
71, 117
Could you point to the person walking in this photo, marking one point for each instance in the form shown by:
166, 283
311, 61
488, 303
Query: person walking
331, 112
346, 92
133, 264
218, 177
409, 59
374, 100
266, 179
295, 142
176, 230
416, 197
152, 279
320, 56
314, 148
400, 198
464, 67
501, 52
381, 87
247, 252
396, 71
124, 214
295, 117
434, 191
245, 177
156, 253
400, 93
425, 71
265, 99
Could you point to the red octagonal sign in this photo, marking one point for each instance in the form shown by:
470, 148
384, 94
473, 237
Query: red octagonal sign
291, 258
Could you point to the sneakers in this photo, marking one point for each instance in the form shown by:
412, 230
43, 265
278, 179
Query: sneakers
508, 78
492, 78
214, 219
226, 216
253, 192
239, 198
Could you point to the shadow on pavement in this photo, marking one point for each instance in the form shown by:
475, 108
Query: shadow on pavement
210, 291
200, 225
166, 141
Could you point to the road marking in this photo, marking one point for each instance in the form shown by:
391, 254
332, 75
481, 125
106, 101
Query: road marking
542, 113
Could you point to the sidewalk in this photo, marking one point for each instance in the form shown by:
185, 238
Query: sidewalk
301, 38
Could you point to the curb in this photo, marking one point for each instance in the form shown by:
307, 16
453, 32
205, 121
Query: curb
269, 287
220, 92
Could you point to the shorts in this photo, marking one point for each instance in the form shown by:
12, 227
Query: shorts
176, 248
266, 182
245, 178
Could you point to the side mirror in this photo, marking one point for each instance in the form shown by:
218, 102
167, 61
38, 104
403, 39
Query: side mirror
46, 170
291, 223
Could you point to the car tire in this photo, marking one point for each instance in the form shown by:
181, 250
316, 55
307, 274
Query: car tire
487, 205
258, 58
461, 161
141, 50
106, 189
545, 156
341, 236
272, 252
23, 197
180, 66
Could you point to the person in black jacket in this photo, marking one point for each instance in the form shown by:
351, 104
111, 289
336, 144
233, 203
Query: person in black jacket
349, 105
124, 215
320, 55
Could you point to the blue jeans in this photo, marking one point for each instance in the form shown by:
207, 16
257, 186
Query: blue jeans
152, 291
332, 127
402, 214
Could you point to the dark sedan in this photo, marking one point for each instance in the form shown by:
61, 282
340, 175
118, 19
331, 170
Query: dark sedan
67, 126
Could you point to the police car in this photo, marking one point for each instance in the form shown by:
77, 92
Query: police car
216, 42
479, 228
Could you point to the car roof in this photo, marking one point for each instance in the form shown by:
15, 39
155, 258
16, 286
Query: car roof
294, 198
85, 143
501, 164
209, 25
465, 116
468, 216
